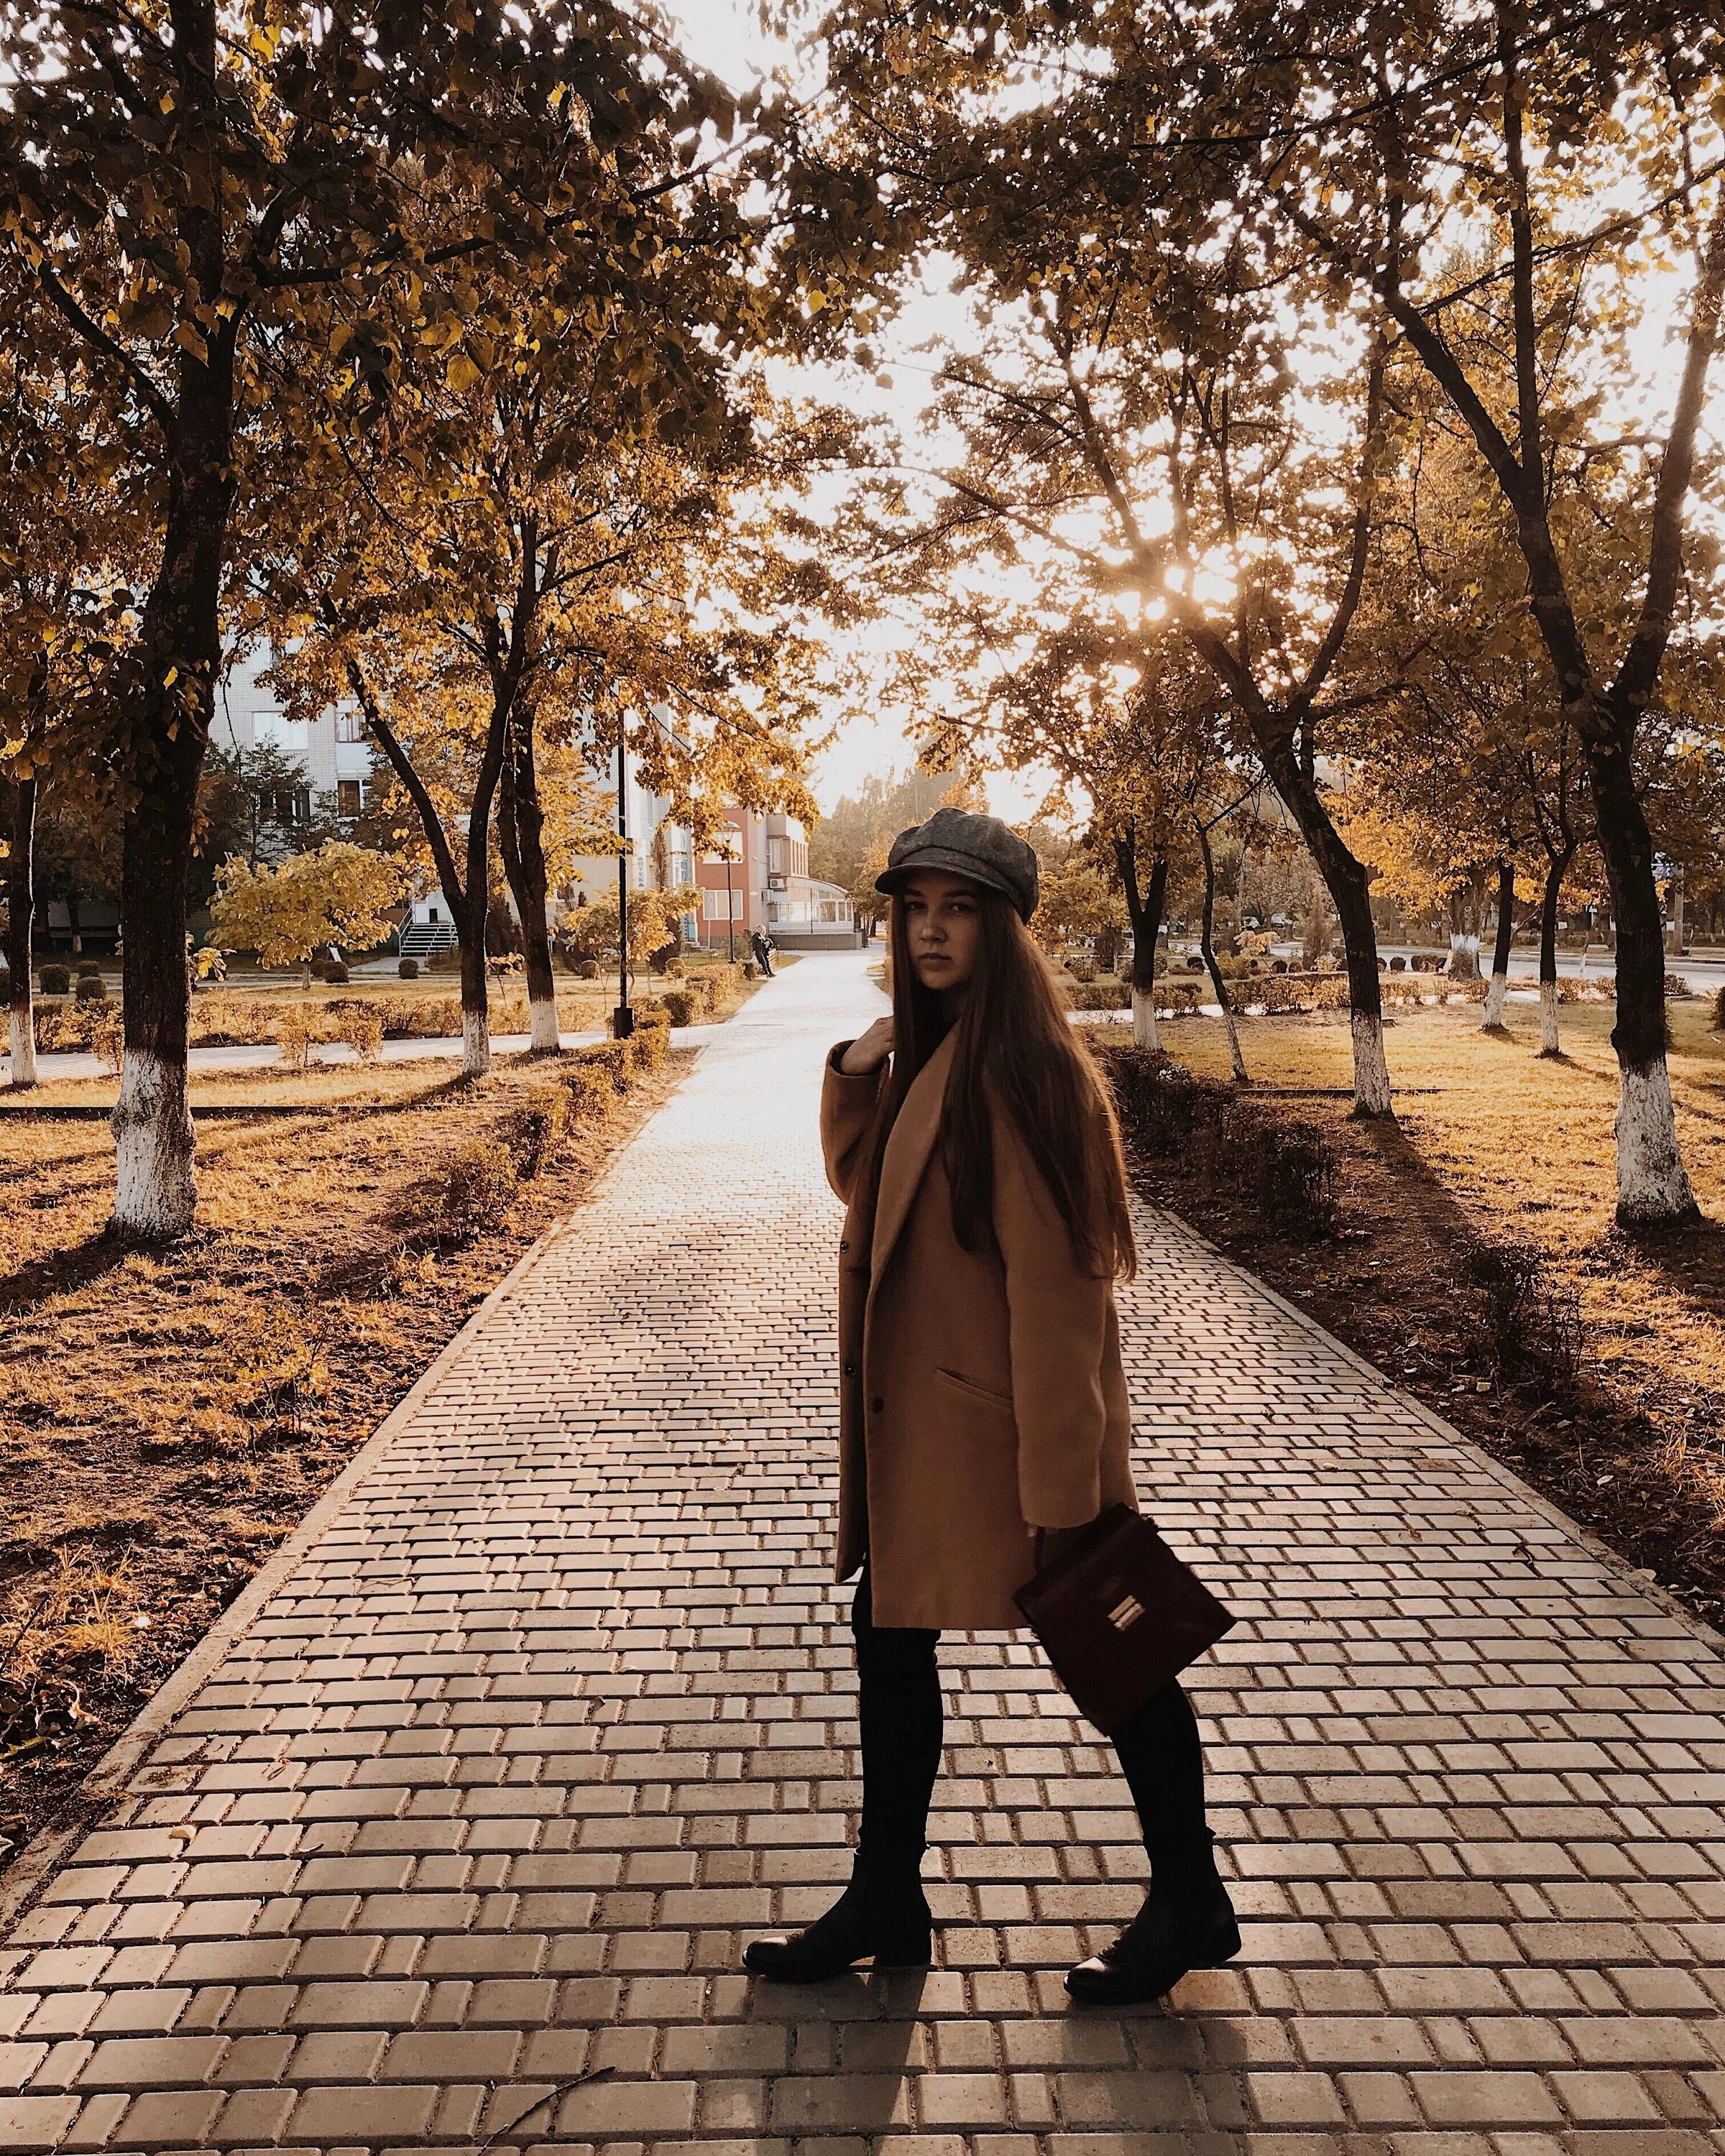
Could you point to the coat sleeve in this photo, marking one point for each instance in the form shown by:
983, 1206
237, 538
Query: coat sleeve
847, 1112
1058, 1321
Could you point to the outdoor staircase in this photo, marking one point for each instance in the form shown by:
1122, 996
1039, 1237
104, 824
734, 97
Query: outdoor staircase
425, 939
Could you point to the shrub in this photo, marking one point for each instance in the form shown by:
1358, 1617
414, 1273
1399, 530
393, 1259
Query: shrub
649, 1046
613, 1059
360, 1027
681, 1005
91, 988
408, 968
1287, 1170
591, 1092
106, 1038
1101, 995
1194, 961
1677, 985
336, 973
5, 986
1082, 968
88, 969
1397, 965
585, 969
1718, 1009
531, 1131
1517, 1320
56, 980
479, 1185
298, 1028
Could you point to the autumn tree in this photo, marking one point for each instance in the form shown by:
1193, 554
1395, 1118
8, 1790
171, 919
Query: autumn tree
568, 531
191, 184
1493, 183
341, 893
1136, 389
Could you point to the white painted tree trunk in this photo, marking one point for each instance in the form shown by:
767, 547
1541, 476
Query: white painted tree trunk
1653, 1187
1235, 1055
546, 1040
24, 1049
475, 1044
1144, 1033
1464, 958
156, 1189
1494, 995
1550, 1039
1371, 1073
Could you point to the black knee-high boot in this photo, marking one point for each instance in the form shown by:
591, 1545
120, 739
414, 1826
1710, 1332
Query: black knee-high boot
1187, 1921
882, 1914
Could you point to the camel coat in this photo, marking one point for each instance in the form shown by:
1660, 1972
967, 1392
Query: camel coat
981, 1394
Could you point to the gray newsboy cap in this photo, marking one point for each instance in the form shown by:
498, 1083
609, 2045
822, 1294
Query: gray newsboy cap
981, 848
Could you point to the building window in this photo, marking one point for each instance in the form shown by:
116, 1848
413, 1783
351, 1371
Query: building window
348, 797
715, 905
350, 726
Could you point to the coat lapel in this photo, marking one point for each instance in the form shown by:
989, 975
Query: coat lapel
907, 1151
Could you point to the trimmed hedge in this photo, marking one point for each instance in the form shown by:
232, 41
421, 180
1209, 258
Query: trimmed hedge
1286, 1169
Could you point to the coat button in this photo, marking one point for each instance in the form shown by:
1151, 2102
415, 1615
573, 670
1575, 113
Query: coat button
850, 1370
876, 1407
843, 1244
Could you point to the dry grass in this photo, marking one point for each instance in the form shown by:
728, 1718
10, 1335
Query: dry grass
166, 1417
1496, 1147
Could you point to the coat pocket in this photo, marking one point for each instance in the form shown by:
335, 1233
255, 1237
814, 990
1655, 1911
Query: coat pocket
972, 1390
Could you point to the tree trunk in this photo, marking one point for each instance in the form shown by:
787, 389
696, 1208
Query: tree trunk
1314, 933
1653, 1187
1144, 910
1557, 868
469, 895
520, 828
168, 704
476, 994
1206, 947
1465, 932
156, 1191
1350, 893
1500, 956
20, 921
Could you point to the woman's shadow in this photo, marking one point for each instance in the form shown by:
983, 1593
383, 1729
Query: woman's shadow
854, 2042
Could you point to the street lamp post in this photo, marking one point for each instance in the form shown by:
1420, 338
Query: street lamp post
730, 909
623, 1018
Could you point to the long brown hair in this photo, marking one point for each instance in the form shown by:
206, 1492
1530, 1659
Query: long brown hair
1012, 1028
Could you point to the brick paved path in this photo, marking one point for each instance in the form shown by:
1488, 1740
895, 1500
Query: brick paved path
555, 1710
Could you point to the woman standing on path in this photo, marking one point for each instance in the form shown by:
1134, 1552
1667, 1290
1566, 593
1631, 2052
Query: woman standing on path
984, 1415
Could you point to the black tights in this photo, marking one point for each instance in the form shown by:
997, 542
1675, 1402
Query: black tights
900, 1714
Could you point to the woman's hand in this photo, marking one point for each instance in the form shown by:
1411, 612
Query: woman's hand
869, 1050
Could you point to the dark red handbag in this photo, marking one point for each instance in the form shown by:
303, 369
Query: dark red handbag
1120, 1616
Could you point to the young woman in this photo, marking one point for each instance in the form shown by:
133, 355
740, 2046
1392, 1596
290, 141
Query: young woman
984, 1415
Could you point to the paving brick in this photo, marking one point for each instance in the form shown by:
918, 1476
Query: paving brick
144, 2061
349, 2116
35, 2122
557, 1710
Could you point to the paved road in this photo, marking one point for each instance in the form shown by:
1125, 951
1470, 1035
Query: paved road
552, 1710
